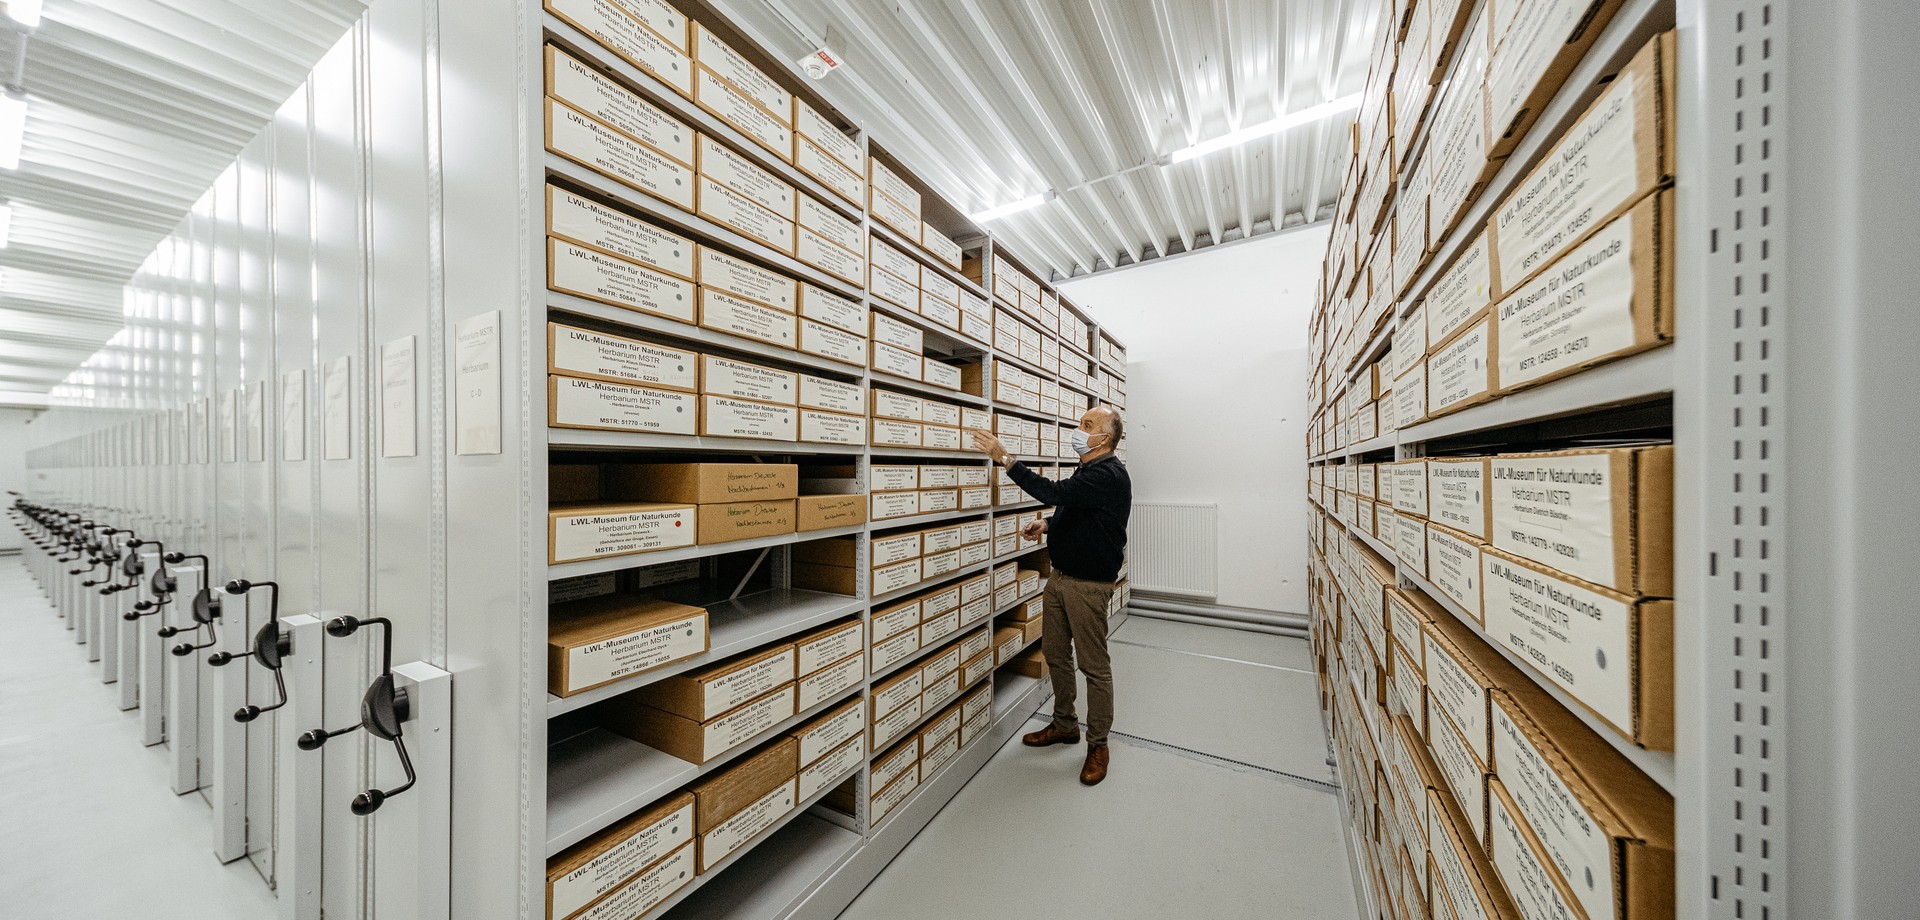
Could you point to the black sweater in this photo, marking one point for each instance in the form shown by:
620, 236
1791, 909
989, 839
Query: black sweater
1088, 536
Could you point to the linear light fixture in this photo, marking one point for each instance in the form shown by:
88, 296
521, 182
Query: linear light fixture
24, 12
1031, 201
13, 127
1265, 128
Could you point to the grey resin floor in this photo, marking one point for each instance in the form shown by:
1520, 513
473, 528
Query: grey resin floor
1217, 805
88, 825
1171, 833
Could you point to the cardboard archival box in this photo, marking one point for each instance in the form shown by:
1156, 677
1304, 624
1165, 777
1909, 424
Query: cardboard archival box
891, 651
830, 225
593, 93
895, 577
940, 690
1460, 867
894, 186
701, 483
729, 521
696, 741
1454, 567
726, 417
832, 395
723, 312
617, 29
1611, 652
729, 104
939, 752
586, 354
735, 171
1517, 858
896, 691
832, 428
716, 689
594, 531
827, 134
896, 361
582, 139
890, 405
840, 762
1458, 496
735, 832
1007, 642
1461, 293
832, 343
893, 214
721, 795
1462, 673
600, 640
829, 579
830, 682
820, 512
1542, 44
1602, 515
605, 279
727, 207
1410, 487
886, 800
886, 257
895, 763
1608, 297
743, 279
887, 433
1465, 774
895, 724
742, 380
1605, 828
713, 53
890, 621
648, 889
900, 335
809, 158
585, 872
585, 222
1621, 149
897, 547
898, 291
1464, 371
830, 730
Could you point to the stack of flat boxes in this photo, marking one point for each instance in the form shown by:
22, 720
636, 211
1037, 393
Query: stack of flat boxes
902, 281
953, 684
1460, 771
1007, 539
904, 627
904, 559
702, 715
905, 420
907, 490
617, 509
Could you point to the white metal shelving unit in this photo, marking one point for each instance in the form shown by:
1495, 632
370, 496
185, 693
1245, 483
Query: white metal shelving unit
584, 778
1775, 772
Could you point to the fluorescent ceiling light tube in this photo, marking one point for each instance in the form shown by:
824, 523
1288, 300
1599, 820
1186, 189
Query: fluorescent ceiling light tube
1265, 128
13, 128
24, 12
1031, 201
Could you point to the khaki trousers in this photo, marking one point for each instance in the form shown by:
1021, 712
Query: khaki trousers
1075, 620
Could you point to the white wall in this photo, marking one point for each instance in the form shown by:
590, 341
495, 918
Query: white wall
13, 467
1217, 397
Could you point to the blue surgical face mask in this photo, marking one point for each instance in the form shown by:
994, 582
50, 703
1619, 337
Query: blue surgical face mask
1080, 445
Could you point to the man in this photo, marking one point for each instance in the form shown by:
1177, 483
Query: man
1087, 540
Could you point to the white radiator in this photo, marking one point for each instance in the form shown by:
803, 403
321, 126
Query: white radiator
1172, 548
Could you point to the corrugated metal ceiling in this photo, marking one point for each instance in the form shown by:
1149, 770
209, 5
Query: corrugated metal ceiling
992, 101
134, 108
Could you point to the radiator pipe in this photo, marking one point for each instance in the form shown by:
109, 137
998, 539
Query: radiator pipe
1222, 624
1237, 614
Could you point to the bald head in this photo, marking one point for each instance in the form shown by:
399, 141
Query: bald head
1103, 420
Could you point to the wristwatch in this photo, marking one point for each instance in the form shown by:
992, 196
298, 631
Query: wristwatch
1005, 460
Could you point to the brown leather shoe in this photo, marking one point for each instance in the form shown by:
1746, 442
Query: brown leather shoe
1096, 768
1050, 735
